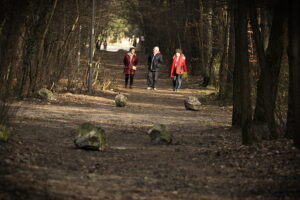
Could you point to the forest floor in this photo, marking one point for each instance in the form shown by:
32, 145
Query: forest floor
205, 161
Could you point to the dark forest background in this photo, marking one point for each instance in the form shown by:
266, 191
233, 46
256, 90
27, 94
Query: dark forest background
247, 49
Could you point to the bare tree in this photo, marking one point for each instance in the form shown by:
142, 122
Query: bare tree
293, 125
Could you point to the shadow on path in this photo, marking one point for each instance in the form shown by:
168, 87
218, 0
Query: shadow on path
206, 160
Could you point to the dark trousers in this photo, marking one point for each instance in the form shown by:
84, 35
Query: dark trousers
152, 78
177, 81
130, 77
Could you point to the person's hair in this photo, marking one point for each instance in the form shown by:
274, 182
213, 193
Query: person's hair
178, 51
156, 47
131, 48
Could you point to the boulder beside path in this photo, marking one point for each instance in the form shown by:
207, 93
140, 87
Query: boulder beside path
44, 93
90, 137
159, 134
121, 100
192, 103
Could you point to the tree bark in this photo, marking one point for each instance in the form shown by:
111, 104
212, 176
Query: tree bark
40, 52
237, 79
293, 125
231, 56
11, 45
270, 63
242, 104
224, 60
207, 46
34, 48
270, 72
265, 22
259, 113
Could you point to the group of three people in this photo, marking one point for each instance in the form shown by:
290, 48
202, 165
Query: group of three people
155, 60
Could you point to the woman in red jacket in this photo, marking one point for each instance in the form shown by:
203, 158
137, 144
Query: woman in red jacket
178, 67
130, 62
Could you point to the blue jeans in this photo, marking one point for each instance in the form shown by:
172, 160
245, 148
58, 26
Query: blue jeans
177, 81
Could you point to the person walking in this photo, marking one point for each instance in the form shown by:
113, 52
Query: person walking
155, 61
130, 62
105, 45
98, 45
178, 67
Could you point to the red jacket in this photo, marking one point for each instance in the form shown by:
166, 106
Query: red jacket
180, 67
129, 63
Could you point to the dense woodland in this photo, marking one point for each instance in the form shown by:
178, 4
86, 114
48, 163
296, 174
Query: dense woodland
248, 50
242, 141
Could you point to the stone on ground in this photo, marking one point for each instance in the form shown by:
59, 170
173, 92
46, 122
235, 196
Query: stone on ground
90, 137
192, 103
159, 134
44, 93
121, 100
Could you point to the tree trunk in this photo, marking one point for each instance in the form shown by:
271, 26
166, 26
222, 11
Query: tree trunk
11, 45
224, 60
237, 79
265, 22
290, 122
242, 108
40, 53
293, 125
259, 113
270, 72
196, 32
231, 56
207, 46
34, 49
270, 63
201, 38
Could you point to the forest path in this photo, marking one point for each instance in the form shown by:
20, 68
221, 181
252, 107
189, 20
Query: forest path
206, 160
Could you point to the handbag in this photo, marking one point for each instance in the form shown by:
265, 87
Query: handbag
184, 75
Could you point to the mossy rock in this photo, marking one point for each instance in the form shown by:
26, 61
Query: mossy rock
159, 134
192, 103
91, 137
121, 100
4, 133
44, 93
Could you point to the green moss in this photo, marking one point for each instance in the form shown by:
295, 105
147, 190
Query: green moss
121, 100
4, 132
102, 139
91, 137
159, 134
45, 93
165, 134
86, 128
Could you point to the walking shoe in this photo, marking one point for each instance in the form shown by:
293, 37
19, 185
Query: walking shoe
154, 89
149, 88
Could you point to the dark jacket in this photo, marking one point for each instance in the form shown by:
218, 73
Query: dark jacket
129, 63
155, 63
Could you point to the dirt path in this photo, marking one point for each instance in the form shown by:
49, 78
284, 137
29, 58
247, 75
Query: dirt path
206, 160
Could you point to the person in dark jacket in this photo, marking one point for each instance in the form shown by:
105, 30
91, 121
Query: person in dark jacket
155, 61
130, 62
